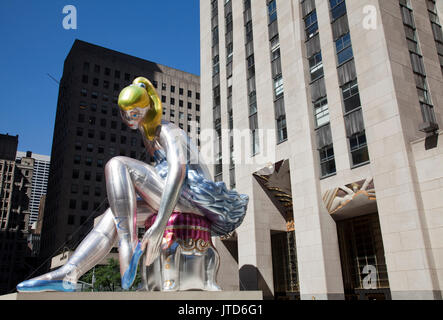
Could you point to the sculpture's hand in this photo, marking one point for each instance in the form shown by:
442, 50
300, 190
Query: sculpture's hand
151, 243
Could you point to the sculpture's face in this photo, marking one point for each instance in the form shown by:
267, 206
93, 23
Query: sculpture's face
134, 103
133, 117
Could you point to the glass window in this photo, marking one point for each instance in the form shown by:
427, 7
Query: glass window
71, 219
252, 103
278, 86
351, 96
343, 48
338, 8
255, 144
272, 11
316, 66
282, 133
74, 188
321, 112
275, 48
215, 68
248, 31
327, 161
311, 25
359, 148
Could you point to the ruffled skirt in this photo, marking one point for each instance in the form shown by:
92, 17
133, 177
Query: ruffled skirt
225, 209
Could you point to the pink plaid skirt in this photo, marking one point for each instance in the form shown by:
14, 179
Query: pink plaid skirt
184, 226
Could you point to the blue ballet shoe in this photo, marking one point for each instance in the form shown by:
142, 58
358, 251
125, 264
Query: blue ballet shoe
46, 285
131, 272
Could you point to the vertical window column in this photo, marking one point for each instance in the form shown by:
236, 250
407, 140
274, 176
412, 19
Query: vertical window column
427, 109
277, 75
436, 29
250, 78
318, 90
347, 77
218, 168
229, 57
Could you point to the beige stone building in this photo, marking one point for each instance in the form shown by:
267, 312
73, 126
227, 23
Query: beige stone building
341, 102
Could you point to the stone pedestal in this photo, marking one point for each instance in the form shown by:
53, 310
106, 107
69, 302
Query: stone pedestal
156, 295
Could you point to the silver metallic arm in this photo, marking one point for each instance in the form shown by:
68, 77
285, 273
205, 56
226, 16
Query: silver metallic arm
176, 159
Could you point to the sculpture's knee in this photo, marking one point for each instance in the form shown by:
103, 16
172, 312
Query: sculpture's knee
114, 163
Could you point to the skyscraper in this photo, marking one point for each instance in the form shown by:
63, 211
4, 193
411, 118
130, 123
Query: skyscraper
89, 131
327, 114
39, 182
15, 192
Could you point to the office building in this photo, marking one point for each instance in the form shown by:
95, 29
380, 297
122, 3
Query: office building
39, 182
89, 131
15, 193
327, 113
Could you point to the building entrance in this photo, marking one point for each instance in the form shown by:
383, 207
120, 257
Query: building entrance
284, 265
276, 183
362, 256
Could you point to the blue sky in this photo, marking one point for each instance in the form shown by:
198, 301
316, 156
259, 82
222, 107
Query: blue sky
34, 43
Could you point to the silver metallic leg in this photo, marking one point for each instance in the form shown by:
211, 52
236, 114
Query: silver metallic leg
97, 244
212, 263
124, 177
122, 200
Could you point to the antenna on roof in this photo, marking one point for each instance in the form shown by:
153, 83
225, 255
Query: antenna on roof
58, 82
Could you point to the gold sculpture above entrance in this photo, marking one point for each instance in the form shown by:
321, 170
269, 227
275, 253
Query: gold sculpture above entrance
276, 182
353, 199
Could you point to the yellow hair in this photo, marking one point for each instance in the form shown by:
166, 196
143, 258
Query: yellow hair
131, 98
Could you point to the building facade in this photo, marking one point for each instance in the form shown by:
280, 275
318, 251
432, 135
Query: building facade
39, 182
329, 112
15, 193
89, 131
37, 198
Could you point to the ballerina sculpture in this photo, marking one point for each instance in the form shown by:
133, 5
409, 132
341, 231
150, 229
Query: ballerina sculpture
188, 209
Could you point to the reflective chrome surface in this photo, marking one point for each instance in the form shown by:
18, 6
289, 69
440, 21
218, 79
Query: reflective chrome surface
177, 182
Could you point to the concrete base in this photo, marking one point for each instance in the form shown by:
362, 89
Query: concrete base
323, 296
416, 295
155, 295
